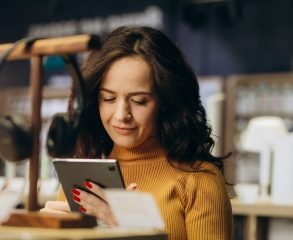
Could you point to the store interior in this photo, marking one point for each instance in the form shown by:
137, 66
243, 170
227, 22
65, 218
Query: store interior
242, 54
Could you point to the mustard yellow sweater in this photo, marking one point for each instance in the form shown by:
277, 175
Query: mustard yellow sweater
194, 205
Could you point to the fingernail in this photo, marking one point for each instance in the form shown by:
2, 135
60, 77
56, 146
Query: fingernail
88, 184
82, 209
75, 192
76, 198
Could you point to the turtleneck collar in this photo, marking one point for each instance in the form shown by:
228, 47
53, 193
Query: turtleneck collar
151, 149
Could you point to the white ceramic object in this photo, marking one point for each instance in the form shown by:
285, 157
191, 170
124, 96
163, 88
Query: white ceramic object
246, 192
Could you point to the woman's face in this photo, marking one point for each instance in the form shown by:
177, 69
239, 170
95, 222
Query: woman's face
128, 105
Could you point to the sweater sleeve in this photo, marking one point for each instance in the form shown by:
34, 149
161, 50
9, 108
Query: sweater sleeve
208, 213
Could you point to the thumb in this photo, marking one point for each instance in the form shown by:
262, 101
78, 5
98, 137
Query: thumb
132, 186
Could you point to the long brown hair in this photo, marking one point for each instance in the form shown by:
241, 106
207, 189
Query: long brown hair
182, 124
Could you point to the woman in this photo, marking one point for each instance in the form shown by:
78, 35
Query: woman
144, 109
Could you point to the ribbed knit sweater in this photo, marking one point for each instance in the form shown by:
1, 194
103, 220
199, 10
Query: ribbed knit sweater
194, 205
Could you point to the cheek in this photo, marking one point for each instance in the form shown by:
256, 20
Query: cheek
104, 112
147, 118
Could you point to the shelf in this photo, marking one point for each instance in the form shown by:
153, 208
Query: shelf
262, 209
249, 96
248, 116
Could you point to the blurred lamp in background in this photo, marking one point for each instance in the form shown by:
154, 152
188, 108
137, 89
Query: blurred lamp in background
258, 135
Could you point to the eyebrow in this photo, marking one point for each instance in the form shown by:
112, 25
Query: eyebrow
131, 94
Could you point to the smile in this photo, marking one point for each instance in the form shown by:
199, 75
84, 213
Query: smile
124, 131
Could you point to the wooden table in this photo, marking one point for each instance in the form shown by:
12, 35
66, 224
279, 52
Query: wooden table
27, 233
257, 215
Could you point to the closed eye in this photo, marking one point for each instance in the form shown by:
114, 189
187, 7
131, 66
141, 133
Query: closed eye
108, 99
139, 102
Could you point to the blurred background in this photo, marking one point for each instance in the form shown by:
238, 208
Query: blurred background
242, 53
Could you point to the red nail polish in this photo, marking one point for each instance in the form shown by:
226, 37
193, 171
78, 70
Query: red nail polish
88, 184
75, 192
82, 209
76, 198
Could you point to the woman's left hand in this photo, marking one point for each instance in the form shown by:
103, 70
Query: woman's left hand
95, 205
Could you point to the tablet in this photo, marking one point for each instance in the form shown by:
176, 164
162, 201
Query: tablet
72, 173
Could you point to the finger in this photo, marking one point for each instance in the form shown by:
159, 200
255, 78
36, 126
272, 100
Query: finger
46, 210
88, 200
102, 213
57, 205
95, 189
132, 186
92, 205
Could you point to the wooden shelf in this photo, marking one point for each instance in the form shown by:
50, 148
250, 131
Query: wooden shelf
262, 209
249, 96
265, 78
231, 89
248, 116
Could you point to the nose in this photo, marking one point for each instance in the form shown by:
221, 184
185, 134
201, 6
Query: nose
122, 111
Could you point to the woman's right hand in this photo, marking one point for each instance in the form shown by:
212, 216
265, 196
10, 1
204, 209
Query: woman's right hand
57, 207
95, 202
62, 207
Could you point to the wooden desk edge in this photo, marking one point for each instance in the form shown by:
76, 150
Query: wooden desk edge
81, 233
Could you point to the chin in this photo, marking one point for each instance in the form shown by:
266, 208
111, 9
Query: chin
126, 143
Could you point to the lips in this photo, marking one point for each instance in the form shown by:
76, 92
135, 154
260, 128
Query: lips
124, 130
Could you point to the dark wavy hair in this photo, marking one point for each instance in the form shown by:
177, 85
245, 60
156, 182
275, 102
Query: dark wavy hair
182, 125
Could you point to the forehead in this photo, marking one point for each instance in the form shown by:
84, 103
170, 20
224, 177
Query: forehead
128, 73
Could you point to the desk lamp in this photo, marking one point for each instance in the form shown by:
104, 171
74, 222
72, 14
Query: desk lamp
259, 133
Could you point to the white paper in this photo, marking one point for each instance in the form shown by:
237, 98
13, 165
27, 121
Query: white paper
134, 209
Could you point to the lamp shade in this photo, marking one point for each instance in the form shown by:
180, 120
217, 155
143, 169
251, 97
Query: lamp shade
260, 131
